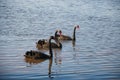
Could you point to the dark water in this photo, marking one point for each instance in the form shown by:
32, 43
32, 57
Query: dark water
96, 55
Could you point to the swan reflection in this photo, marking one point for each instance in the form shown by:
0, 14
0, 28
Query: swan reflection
57, 56
38, 61
73, 43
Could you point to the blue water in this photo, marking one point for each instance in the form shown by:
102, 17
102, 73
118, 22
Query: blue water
95, 56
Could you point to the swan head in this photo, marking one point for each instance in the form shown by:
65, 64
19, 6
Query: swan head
56, 33
60, 32
77, 26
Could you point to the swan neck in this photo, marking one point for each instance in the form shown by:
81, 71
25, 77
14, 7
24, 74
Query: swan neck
74, 37
60, 45
56, 34
50, 65
50, 49
58, 42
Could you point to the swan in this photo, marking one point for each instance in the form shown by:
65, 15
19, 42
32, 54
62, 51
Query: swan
40, 43
43, 44
40, 55
65, 37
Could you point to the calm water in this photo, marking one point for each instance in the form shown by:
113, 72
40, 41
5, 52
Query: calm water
96, 55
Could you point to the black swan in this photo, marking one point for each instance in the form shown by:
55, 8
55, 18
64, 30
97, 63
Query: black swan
64, 37
40, 43
38, 54
36, 61
44, 44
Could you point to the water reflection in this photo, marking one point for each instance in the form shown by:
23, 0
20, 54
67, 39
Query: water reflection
32, 61
23, 22
57, 56
50, 66
73, 43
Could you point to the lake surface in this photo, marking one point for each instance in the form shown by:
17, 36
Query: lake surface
95, 55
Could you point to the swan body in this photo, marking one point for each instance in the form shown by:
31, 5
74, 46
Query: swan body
44, 44
65, 37
38, 54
